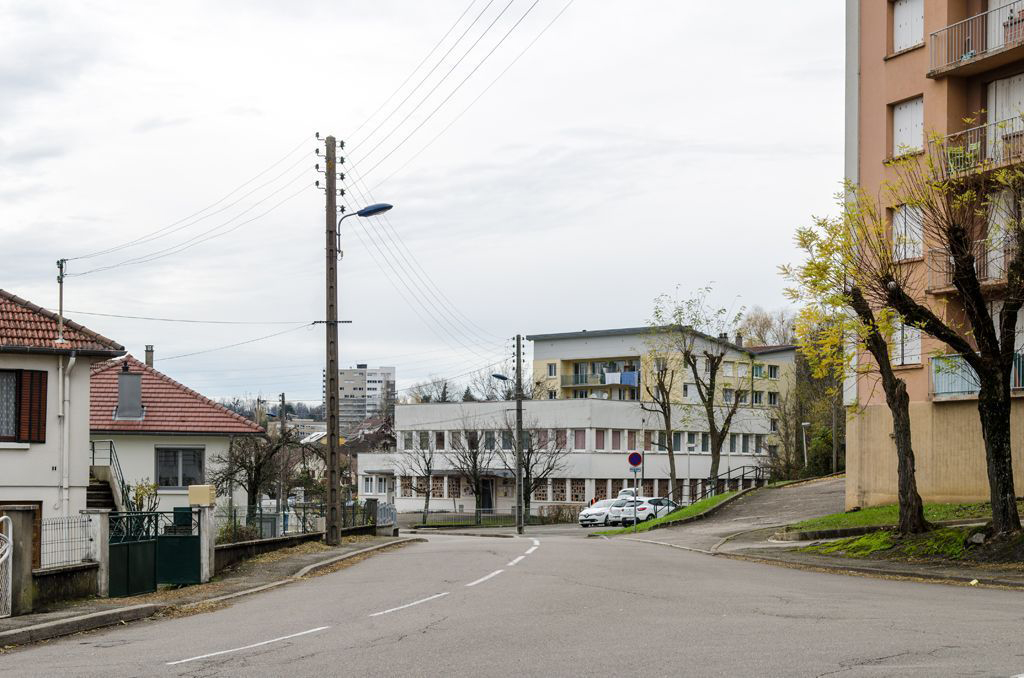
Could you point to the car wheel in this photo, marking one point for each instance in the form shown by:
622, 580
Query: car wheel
606, 521
650, 517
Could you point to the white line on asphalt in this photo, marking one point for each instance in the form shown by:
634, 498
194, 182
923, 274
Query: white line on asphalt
402, 607
531, 550
515, 560
536, 542
605, 538
248, 647
483, 579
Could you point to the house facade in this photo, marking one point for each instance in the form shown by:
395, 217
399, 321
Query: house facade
592, 433
917, 68
44, 406
159, 430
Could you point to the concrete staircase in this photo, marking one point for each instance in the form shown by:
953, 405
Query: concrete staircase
99, 495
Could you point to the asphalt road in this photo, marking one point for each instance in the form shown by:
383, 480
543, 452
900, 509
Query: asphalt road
571, 606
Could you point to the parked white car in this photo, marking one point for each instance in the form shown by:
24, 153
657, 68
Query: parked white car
627, 493
597, 513
646, 508
615, 512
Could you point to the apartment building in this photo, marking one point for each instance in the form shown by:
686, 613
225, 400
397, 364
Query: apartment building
363, 391
595, 431
951, 69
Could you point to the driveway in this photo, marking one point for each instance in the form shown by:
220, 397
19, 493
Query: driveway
758, 513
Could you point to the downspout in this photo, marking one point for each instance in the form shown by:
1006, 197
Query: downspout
66, 433
60, 433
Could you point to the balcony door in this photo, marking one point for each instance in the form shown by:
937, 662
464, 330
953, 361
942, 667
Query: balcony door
1005, 129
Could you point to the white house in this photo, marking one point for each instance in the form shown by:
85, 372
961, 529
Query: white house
158, 430
44, 407
596, 436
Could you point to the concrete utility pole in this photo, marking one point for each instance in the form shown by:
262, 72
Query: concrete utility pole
519, 434
280, 475
331, 395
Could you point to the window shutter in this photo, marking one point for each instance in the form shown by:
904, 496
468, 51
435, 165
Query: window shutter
32, 407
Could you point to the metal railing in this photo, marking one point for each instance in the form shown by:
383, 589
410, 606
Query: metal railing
951, 376
65, 541
548, 514
989, 145
250, 523
977, 36
6, 557
131, 526
103, 453
991, 262
599, 379
733, 479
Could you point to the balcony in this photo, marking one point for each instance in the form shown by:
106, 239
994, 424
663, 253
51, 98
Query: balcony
631, 379
991, 262
985, 147
953, 378
980, 43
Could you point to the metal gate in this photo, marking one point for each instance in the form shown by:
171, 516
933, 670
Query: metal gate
6, 558
151, 548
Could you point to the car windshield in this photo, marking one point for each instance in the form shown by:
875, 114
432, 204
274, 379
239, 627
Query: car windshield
604, 503
620, 503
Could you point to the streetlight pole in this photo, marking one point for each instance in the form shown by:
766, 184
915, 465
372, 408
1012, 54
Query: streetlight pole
803, 427
331, 378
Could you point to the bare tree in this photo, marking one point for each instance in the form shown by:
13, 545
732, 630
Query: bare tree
472, 456
767, 328
697, 333
419, 465
257, 462
545, 455
434, 390
662, 397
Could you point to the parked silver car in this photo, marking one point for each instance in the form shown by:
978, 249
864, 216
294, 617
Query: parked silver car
646, 508
596, 513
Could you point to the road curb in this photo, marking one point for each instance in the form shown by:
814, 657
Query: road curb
464, 534
683, 521
96, 620
840, 532
85, 622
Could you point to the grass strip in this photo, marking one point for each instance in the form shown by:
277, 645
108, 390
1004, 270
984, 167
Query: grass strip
685, 512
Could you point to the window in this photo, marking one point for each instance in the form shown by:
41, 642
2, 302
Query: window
728, 394
599, 439
488, 440
23, 406
773, 425
439, 440
560, 438
705, 442
906, 345
727, 368
382, 485
758, 371
179, 467
579, 439
407, 440
542, 438
579, 393
732, 442
506, 440
677, 440
908, 126
691, 442
773, 398
552, 369
757, 397
745, 439
773, 450
686, 391
616, 440
424, 440
773, 371
455, 438
367, 484
631, 440
647, 440
8, 405
662, 445
758, 443
552, 395
741, 369
907, 232
742, 397
907, 24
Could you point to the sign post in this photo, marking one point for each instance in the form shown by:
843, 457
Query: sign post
636, 461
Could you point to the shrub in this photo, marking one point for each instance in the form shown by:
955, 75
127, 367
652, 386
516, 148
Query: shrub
230, 533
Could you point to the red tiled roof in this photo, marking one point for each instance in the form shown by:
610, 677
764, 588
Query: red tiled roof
169, 406
27, 328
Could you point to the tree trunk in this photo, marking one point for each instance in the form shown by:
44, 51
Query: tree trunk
994, 408
716, 457
526, 490
426, 502
478, 490
910, 506
672, 481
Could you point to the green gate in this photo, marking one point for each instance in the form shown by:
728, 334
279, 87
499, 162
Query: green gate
151, 548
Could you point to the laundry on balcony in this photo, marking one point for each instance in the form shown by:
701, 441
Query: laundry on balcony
630, 379
612, 377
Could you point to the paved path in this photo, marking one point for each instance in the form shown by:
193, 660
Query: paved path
471, 606
759, 510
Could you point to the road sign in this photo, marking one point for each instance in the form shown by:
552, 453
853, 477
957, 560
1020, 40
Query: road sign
635, 459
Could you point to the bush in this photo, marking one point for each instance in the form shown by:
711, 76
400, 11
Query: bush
231, 533
559, 513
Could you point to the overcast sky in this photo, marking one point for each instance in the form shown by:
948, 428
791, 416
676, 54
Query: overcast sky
633, 148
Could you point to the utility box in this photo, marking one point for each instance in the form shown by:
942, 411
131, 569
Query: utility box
202, 495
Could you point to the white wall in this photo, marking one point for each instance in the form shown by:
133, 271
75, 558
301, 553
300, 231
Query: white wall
137, 456
31, 471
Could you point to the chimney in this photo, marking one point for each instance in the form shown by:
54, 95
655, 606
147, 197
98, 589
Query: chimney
724, 336
129, 394
149, 355
739, 340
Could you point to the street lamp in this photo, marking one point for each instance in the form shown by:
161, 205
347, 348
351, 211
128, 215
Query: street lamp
519, 435
804, 426
331, 394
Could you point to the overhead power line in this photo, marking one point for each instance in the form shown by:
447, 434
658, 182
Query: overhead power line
182, 320
240, 343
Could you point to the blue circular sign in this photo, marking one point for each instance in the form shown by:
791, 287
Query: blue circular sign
635, 459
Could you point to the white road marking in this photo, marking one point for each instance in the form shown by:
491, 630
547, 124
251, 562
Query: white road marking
483, 579
536, 542
515, 560
402, 607
531, 550
248, 647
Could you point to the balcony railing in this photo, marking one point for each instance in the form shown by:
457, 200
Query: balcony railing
978, 36
990, 145
952, 376
991, 262
619, 378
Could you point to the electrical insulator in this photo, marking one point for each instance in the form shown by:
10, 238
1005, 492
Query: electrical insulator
341, 191
341, 144
341, 160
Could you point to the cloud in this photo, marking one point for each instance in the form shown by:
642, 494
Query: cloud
153, 124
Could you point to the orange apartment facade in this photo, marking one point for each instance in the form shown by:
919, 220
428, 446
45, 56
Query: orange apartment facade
916, 68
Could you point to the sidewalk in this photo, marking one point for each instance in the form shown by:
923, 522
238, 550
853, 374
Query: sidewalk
267, 570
